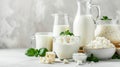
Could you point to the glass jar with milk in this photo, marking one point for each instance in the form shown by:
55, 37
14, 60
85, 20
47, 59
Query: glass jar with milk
44, 40
60, 24
84, 25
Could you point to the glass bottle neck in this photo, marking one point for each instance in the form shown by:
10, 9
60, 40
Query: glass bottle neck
83, 7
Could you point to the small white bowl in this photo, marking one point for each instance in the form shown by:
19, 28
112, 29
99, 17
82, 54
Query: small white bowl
118, 51
103, 53
79, 57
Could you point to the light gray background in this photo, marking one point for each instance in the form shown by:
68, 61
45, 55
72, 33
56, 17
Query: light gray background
20, 19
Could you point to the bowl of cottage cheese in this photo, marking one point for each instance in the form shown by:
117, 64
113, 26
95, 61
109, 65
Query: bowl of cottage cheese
101, 47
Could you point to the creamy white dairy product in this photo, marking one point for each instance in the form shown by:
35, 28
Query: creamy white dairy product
44, 41
109, 31
100, 42
57, 29
84, 27
65, 46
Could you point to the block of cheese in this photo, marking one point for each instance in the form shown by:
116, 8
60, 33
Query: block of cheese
50, 57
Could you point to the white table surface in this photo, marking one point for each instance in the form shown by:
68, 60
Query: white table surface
17, 58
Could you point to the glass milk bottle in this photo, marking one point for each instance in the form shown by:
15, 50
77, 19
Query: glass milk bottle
60, 24
84, 25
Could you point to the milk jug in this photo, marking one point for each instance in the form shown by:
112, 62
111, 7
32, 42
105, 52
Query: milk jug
84, 25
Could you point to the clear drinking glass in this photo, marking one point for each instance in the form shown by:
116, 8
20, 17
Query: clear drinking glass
61, 23
43, 40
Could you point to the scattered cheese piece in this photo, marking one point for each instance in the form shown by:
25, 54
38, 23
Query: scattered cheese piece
42, 59
49, 58
79, 62
65, 61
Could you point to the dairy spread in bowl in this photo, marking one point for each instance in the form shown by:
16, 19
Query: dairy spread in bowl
100, 42
101, 48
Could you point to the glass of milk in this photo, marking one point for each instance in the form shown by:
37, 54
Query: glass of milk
44, 40
61, 23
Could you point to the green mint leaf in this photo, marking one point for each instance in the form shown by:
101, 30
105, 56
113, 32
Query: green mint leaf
71, 34
118, 57
115, 56
67, 32
62, 33
92, 55
105, 18
92, 58
88, 58
37, 53
42, 52
30, 52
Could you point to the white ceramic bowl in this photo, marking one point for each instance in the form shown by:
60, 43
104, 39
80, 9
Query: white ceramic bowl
103, 53
65, 51
65, 46
79, 57
118, 51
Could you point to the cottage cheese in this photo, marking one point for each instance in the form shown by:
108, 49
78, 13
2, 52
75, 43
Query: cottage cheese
100, 42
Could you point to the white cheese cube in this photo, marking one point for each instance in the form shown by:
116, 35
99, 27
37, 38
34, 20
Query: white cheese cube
65, 61
50, 57
42, 59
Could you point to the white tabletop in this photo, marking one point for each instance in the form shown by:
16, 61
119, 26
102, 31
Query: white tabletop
17, 58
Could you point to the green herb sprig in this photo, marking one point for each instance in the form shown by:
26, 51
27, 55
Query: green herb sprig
116, 56
92, 58
31, 52
105, 18
67, 32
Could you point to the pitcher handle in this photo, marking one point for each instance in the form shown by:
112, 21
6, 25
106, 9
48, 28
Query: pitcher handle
98, 10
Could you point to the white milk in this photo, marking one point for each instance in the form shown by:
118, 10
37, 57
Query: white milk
44, 41
84, 27
57, 29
